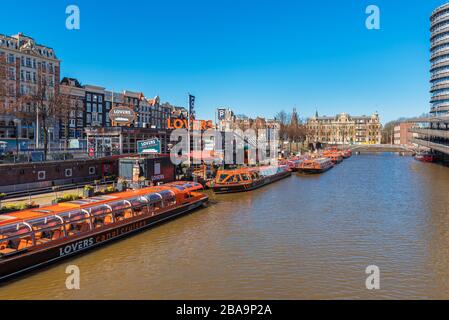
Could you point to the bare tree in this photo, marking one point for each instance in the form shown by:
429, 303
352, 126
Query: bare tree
284, 120
44, 99
9, 101
65, 107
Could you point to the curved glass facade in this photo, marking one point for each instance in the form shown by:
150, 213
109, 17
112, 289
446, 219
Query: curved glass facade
439, 56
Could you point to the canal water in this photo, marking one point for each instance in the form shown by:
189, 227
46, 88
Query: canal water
305, 237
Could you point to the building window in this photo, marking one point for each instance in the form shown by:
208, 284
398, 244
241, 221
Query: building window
89, 107
41, 175
12, 74
68, 173
89, 97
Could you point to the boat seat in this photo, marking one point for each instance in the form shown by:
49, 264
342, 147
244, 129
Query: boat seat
78, 228
128, 214
25, 243
57, 234
107, 220
3, 245
42, 241
84, 227
7, 250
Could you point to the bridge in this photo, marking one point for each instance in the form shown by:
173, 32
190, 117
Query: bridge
382, 148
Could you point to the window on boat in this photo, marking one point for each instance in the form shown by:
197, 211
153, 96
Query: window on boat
154, 201
15, 237
76, 222
101, 215
168, 197
222, 177
121, 210
232, 178
246, 177
47, 229
139, 205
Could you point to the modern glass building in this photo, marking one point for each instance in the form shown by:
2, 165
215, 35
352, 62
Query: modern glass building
433, 133
439, 58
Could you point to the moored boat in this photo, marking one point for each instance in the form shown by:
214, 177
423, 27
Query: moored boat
293, 163
33, 238
335, 157
425, 157
347, 153
318, 165
246, 179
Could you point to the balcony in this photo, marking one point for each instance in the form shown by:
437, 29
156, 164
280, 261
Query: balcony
439, 98
440, 53
440, 75
439, 86
431, 132
440, 18
438, 32
439, 65
435, 146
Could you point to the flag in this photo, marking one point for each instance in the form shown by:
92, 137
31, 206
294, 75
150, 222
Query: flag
192, 106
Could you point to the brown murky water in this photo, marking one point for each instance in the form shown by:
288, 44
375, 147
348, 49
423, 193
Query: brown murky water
307, 237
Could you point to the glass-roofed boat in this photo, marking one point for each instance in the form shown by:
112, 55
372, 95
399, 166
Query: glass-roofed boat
36, 237
246, 179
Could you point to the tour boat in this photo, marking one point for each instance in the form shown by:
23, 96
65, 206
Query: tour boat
335, 157
425, 157
317, 165
33, 238
246, 179
347, 153
293, 163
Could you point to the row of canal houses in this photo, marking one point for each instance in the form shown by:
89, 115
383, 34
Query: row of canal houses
25, 64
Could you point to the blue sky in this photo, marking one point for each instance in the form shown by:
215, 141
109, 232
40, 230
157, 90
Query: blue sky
257, 57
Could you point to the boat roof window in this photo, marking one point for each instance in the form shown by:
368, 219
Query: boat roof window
138, 201
100, 209
72, 215
117, 205
42, 223
167, 194
153, 197
14, 229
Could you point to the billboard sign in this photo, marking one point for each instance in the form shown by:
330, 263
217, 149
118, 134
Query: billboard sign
122, 115
149, 146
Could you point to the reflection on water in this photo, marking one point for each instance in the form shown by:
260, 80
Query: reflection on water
305, 237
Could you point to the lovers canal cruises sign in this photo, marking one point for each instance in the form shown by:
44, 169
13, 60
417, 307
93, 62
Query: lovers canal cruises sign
149, 146
122, 116
194, 124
